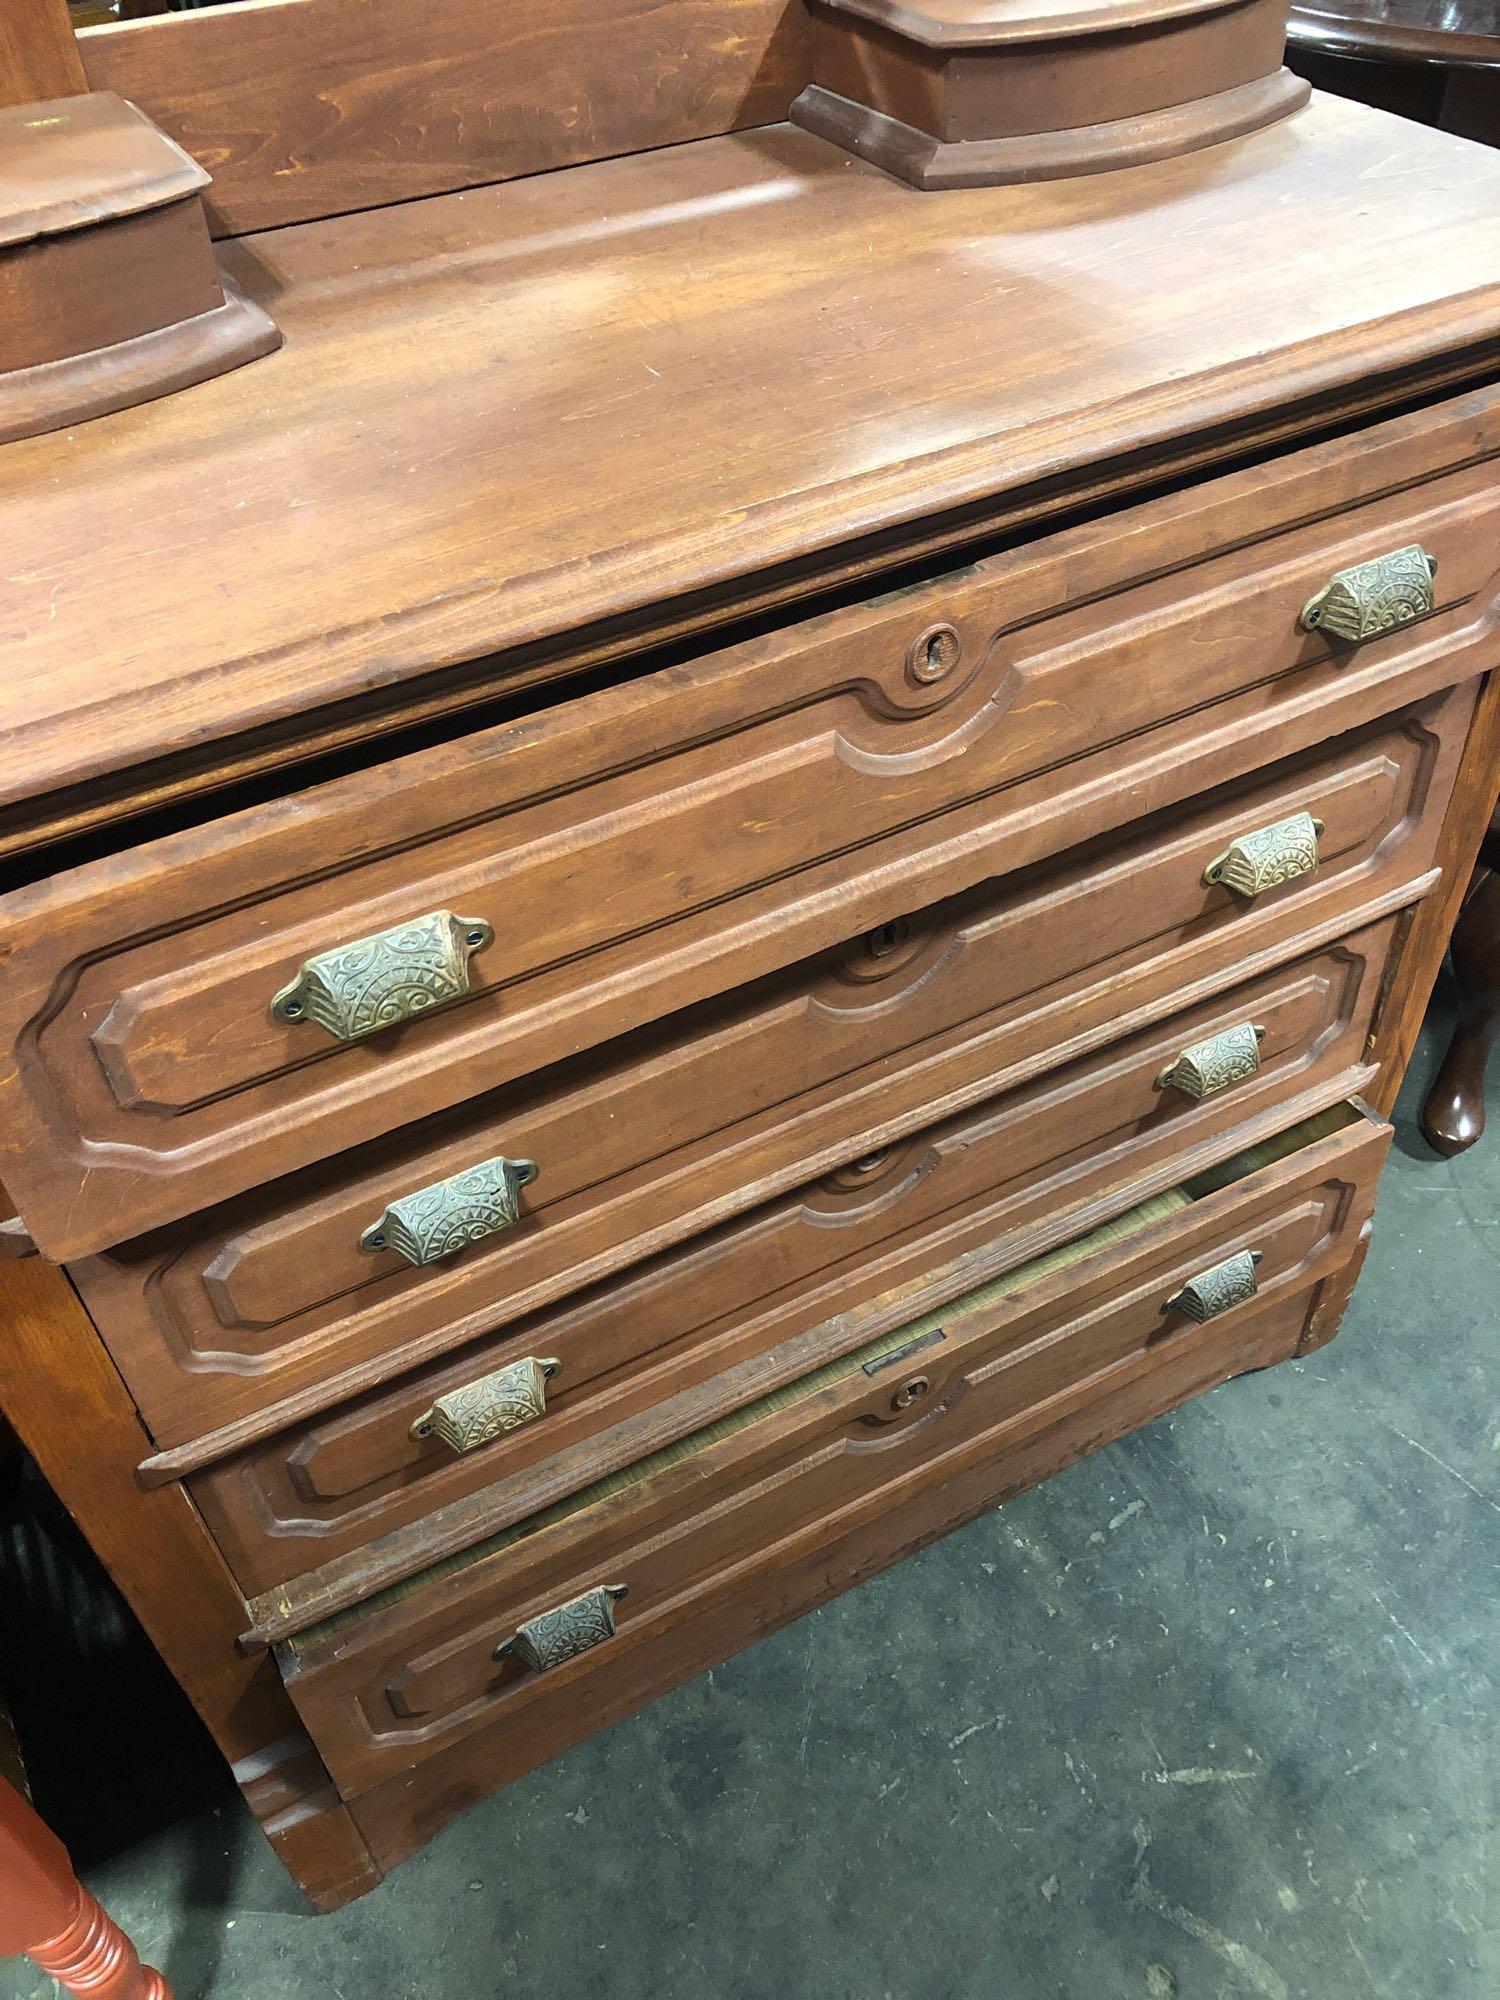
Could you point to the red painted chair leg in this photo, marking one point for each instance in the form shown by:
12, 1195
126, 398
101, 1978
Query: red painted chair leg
47, 1915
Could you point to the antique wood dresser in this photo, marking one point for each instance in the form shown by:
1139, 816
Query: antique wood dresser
745, 852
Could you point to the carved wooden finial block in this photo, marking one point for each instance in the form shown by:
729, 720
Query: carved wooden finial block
110, 293
971, 93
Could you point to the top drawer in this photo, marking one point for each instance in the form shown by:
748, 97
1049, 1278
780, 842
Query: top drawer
627, 853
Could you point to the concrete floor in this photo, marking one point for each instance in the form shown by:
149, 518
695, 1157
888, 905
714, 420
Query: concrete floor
1212, 1715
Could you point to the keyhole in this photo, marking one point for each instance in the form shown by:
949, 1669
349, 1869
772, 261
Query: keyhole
911, 1392
935, 654
886, 938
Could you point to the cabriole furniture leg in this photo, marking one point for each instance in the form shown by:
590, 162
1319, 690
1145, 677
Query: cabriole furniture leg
47, 1915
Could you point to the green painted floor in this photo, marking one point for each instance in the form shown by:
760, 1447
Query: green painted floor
1213, 1714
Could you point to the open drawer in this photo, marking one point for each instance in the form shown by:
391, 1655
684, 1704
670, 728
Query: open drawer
1020, 1173
515, 1644
192, 1017
728, 1105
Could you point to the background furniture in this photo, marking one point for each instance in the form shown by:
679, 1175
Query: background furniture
744, 855
1437, 60
47, 1915
1453, 1114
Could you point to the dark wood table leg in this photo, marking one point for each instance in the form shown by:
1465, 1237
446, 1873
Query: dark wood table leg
47, 1915
1453, 1116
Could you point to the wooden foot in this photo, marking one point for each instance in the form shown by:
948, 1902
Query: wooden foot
1453, 1116
48, 1916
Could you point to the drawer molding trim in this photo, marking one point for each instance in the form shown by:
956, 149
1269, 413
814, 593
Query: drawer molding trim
299, 1602
172, 1458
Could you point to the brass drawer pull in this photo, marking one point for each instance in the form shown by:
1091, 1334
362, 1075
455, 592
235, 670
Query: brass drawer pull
1268, 857
1375, 596
1212, 1065
480, 1411
1213, 1292
357, 989
566, 1630
448, 1216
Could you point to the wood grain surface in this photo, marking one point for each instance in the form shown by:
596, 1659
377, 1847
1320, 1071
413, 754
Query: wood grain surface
704, 1323
412, 1676
680, 1131
67, 1403
775, 354
728, 816
307, 108
38, 52
810, 1565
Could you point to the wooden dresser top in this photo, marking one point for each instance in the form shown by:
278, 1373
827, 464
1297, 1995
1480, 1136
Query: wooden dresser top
508, 414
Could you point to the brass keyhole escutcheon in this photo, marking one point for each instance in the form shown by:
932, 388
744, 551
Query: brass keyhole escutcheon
911, 1392
934, 654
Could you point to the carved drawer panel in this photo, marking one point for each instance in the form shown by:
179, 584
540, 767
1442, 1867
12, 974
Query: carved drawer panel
1023, 1169
958, 1402
193, 1017
276, 1294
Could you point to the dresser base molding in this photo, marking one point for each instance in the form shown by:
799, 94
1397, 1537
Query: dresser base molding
990, 94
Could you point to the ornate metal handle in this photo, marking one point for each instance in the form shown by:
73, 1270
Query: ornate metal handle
1375, 596
1212, 1065
1268, 857
451, 1214
480, 1411
1216, 1291
566, 1630
358, 988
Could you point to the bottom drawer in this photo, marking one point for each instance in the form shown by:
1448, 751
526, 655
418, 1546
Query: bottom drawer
831, 1476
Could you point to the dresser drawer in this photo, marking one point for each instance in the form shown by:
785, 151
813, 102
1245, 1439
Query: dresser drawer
732, 1103
595, 866
1018, 1170
416, 1671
